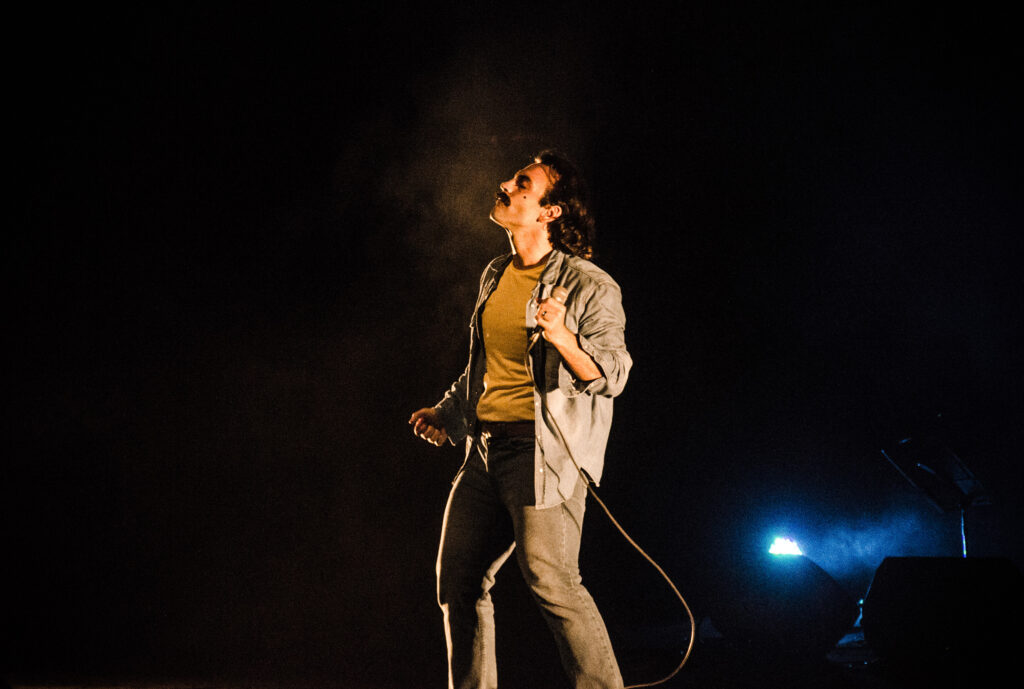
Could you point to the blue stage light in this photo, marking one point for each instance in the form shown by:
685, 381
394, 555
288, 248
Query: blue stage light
785, 546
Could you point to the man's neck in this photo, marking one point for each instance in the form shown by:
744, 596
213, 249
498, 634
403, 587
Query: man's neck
530, 247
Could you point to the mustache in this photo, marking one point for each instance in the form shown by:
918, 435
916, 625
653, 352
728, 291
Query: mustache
502, 197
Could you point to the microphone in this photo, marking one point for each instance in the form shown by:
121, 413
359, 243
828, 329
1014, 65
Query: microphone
559, 294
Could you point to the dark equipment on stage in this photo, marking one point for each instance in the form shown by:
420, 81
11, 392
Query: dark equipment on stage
943, 615
942, 611
786, 606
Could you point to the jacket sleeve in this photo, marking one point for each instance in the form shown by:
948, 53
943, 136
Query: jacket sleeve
602, 335
452, 408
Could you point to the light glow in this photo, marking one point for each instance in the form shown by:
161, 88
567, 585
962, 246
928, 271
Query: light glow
785, 546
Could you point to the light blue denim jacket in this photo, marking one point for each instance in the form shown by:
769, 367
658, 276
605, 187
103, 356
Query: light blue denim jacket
582, 411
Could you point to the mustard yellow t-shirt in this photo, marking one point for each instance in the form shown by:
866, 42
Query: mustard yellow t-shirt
508, 391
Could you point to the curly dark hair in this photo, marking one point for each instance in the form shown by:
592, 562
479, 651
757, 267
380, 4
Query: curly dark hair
573, 231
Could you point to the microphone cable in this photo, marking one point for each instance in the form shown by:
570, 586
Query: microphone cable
590, 489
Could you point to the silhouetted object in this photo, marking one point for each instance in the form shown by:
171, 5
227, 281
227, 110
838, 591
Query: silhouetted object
782, 604
927, 611
935, 470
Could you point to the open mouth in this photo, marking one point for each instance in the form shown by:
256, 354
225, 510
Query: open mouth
502, 198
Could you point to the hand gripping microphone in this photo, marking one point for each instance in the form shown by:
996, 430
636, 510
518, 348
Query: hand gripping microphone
559, 294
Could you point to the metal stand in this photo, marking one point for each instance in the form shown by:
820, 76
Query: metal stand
934, 469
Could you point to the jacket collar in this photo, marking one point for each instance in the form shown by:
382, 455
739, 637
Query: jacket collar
548, 277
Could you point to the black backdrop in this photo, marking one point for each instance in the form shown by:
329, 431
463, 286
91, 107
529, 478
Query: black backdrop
244, 243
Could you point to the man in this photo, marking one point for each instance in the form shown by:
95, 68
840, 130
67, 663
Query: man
534, 407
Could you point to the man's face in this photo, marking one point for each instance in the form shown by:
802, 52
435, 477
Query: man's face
517, 202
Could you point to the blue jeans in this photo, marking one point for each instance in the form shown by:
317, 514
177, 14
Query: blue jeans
490, 514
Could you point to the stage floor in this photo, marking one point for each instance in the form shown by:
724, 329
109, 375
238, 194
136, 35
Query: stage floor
851, 665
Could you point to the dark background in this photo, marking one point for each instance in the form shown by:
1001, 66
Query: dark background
245, 242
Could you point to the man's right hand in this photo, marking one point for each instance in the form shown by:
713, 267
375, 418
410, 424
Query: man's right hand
426, 423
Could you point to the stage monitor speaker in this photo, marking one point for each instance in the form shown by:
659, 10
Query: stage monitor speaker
783, 605
944, 609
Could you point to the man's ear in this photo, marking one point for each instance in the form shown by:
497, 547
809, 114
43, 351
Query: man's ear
549, 213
